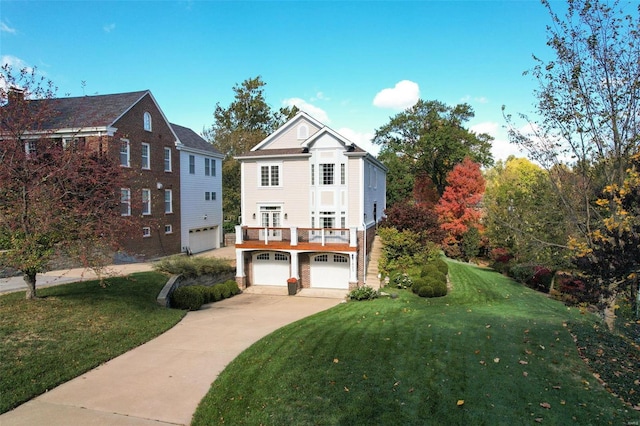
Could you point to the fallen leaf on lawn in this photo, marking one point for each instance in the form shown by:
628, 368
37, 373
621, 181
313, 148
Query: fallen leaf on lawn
521, 362
496, 360
488, 325
396, 384
411, 390
545, 405
477, 351
526, 331
528, 352
557, 387
335, 360
364, 376
563, 402
539, 420
482, 362
525, 374
542, 347
346, 389
460, 402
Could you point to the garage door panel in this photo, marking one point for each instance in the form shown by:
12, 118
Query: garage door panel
271, 268
330, 270
202, 239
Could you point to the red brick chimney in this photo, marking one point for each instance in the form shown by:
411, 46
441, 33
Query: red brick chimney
15, 95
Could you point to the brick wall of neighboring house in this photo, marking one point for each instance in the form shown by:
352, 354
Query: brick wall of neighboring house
130, 126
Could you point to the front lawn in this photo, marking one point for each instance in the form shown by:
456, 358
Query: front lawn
491, 352
73, 328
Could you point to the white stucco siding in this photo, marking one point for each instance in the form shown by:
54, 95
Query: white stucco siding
198, 214
292, 195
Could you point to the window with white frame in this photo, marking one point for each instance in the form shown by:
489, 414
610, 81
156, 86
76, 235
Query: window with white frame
146, 232
125, 153
326, 172
125, 202
207, 167
343, 174
146, 201
168, 229
270, 175
147, 121
327, 219
168, 201
213, 196
146, 164
30, 148
213, 167
207, 196
192, 164
167, 159
313, 174
303, 131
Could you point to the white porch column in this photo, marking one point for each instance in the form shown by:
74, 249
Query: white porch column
294, 236
294, 265
353, 237
238, 234
353, 267
239, 263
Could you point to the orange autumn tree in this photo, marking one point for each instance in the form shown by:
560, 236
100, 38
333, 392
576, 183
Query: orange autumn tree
459, 209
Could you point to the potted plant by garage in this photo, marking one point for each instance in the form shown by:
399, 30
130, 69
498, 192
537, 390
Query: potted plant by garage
292, 285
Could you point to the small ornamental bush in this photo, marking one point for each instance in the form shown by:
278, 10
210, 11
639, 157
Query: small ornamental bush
190, 298
363, 293
217, 292
193, 266
401, 280
431, 271
522, 272
426, 291
418, 283
542, 278
232, 286
442, 266
439, 288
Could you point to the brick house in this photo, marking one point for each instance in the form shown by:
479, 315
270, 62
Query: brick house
149, 147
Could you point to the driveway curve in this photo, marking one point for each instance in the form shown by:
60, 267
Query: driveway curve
163, 381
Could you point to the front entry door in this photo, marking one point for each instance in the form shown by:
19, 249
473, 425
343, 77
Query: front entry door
270, 218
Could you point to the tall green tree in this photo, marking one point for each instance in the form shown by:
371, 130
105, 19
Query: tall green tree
238, 128
523, 213
588, 99
430, 138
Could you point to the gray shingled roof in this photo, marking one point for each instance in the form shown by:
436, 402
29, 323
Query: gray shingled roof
191, 139
88, 111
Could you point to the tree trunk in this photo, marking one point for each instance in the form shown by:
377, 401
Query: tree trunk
30, 280
609, 312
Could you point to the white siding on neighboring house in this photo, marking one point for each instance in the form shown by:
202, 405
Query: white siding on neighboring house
374, 191
201, 216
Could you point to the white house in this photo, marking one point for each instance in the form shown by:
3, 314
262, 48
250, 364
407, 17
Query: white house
201, 192
311, 200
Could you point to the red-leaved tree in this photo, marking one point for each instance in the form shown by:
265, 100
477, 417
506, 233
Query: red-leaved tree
56, 195
459, 207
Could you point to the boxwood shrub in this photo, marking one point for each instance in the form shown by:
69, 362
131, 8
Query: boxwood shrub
190, 298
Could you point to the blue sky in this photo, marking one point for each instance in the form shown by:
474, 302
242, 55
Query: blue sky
352, 65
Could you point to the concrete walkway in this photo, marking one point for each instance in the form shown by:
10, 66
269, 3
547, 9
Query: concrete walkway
163, 381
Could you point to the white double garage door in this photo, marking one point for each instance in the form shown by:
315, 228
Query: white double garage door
327, 270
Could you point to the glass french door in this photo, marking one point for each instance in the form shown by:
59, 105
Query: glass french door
270, 222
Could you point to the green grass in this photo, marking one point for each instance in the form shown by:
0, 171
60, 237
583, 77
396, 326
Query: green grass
503, 349
73, 328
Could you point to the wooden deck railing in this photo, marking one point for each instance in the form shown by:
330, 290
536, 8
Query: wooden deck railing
295, 235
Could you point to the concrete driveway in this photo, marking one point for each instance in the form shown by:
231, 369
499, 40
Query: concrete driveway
163, 381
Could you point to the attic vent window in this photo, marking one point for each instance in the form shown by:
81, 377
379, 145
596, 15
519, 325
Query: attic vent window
303, 131
147, 121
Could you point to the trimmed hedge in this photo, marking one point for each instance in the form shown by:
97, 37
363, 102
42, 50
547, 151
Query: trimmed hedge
192, 297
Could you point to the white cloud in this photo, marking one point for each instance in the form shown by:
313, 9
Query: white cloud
109, 27
16, 63
5, 28
320, 96
317, 113
477, 99
404, 95
363, 140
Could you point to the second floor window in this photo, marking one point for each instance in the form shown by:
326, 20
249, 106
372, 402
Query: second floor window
207, 167
270, 175
125, 160
167, 159
168, 201
125, 202
192, 164
146, 201
213, 167
146, 164
326, 172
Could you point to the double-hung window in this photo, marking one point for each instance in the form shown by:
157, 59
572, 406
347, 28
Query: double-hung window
207, 167
167, 159
270, 175
125, 153
326, 173
146, 201
213, 167
168, 201
146, 164
125, 202
192, 164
